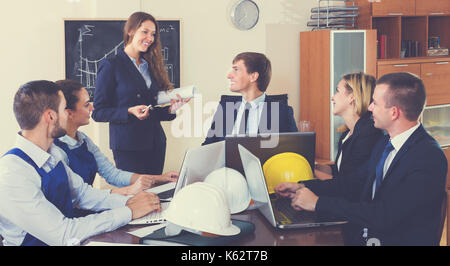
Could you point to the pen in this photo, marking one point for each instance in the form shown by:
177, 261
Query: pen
164, 200
151, 107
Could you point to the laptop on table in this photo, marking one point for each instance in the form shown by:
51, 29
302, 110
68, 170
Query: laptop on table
265, 146
197, 164
276, 209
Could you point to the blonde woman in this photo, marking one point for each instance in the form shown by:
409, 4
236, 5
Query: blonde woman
351, 101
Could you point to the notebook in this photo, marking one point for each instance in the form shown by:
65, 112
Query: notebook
276, 209
190, 239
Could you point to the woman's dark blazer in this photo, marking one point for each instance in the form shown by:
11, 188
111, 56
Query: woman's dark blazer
357, 148
120, 86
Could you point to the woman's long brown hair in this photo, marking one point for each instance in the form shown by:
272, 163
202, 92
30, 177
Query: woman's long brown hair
153, 55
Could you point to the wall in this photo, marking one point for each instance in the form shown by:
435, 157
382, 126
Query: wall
35, 47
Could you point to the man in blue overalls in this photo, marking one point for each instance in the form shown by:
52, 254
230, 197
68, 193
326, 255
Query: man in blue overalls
38, 190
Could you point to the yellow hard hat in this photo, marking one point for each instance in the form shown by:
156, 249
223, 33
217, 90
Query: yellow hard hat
286, 167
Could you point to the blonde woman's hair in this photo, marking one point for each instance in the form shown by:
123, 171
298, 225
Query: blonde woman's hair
362, 86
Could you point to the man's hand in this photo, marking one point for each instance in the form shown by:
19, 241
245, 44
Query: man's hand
143, 203
304, 199
288, 189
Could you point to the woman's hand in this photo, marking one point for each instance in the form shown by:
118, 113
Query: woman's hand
140, 182
167, 177
176, 104
137, 111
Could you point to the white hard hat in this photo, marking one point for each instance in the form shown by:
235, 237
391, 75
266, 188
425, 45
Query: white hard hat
203, 207
234, 185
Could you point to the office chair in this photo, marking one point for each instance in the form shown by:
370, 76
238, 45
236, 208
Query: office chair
448, 218
444, 214
282, 98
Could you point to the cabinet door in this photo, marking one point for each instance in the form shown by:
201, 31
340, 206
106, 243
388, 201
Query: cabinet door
436, 77
432, 7
385, 69
394, 8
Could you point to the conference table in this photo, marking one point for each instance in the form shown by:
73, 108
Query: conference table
265, 234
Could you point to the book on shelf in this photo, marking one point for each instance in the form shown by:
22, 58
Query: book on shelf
411, 48
383, 46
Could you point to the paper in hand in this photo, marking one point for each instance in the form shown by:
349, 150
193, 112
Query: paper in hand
185, 92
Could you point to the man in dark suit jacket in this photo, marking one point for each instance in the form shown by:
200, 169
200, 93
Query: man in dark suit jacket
402, 188
254, 112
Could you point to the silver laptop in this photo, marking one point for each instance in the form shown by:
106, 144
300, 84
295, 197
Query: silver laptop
197, 164
276, 209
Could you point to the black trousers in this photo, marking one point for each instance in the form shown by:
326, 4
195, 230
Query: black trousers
142, 161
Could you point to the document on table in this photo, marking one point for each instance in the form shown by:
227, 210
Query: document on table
147, 230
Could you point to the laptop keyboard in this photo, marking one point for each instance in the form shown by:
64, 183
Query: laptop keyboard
153, 217
166, 194
285, 214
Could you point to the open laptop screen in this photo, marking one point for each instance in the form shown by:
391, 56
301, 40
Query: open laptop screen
267, 145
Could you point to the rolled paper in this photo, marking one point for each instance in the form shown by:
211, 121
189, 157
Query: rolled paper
185, 92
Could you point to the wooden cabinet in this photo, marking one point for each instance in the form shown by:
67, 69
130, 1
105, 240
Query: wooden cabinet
393, 8
383, 8
325, 56
435, 73
393, 68
432, 7
406, 20
436, 77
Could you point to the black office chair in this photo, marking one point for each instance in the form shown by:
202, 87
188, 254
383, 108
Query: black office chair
282, 98
444, 214
448, 218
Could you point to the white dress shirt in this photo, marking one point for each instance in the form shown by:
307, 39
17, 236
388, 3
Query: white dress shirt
339, 160
254, 115
24, 208
397, 143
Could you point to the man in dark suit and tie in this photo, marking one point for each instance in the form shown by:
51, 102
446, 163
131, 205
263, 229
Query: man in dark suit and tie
254, 112
402, 187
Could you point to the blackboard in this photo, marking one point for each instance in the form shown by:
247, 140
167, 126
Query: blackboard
88, 42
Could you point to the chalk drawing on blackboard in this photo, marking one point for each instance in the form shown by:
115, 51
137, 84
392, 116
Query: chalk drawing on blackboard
87, 68
88, 42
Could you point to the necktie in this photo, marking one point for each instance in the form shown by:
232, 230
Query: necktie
379, 169
244, 119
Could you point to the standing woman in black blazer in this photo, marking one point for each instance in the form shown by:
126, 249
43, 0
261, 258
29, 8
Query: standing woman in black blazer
351, 101
125, 85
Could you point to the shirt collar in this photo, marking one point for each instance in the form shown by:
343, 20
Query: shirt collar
143, 62
401, 138
38, 155
73, 142
255, 103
